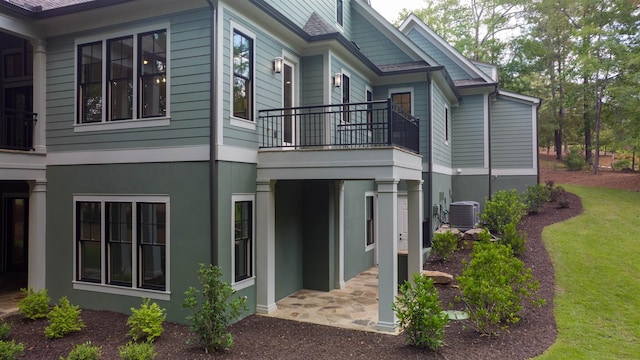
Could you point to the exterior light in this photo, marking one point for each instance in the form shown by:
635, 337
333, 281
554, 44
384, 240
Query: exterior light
277, 65
337, 79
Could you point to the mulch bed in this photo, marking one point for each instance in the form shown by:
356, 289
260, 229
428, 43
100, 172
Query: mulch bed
259, 337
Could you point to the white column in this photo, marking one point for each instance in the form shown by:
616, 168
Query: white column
39, 94
37, 234
414, 261
266, 246
388, 253
339, 226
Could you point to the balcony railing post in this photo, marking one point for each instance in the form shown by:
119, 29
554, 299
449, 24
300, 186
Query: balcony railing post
389, 121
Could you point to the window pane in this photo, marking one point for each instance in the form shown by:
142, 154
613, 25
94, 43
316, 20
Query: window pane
403, 100
153, 74
89, 261
90, 83
154, 90
242, 76
120, 264
118, 233
152, 245
339, 12
369, 211
121, 78
241, 98
243, 227
153, 269
88, 221
88, 233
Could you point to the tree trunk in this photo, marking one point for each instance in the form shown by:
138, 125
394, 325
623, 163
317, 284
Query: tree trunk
558, 143
587, 123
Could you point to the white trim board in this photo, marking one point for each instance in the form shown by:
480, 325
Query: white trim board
125, 156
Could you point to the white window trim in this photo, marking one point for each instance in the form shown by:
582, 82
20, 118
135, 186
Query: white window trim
103, 287
372, 194
233, 120
338, 25
404, 90
135, 122
245, 283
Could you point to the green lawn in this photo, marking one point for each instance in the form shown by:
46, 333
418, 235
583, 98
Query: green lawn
596, 257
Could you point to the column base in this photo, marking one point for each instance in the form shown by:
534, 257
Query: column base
266, 309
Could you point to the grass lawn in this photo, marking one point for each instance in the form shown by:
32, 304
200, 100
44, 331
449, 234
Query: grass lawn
596, 257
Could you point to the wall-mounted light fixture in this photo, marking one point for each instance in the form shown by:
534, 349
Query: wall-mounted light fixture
337, 79
277, 65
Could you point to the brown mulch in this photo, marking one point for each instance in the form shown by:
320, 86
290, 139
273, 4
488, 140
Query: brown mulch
258, 337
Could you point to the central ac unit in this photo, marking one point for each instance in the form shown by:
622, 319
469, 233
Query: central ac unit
464, 215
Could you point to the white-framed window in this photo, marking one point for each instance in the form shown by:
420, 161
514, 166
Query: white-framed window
242, 77
121, 244
446, 125
369, 99
370, 207
346, 96
122, 80
340, 12
242, 240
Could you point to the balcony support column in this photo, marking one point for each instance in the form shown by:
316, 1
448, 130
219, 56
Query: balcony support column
266, 246
339, 233
36, 262
388, 252
414, 249
39, 94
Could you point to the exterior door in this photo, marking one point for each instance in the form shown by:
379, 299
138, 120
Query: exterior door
403, 222
289, 126
15, 235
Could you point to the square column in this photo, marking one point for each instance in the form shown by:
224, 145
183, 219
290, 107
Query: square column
39, 94
339, 233
388, 252
266, 246
37, 256
416, 211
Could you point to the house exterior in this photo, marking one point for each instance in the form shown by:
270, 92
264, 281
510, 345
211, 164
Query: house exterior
294, 144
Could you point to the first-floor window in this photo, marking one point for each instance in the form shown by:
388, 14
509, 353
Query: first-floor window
242, 237
122, 241
370, 220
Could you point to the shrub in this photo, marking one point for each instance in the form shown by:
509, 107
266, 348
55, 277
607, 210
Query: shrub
35, 304
9, 350
494, 284
419, 313
622, 164
535, 196
5, 330
64, 318
505, 207
556, 193
216, 311
84, 351
444, 244
137, 351
145, 323
513, 238
574, 160
484, 235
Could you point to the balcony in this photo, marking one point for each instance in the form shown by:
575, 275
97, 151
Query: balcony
372, 124
16, 129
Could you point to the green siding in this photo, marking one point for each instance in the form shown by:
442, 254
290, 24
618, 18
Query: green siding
511, 134
318, 233
441, 147
375, 45
441, 184
470, 188
189, 220
289, 238
312, 80
356, 258
189, 91
485, 68
467, 136
455, 71
518, 182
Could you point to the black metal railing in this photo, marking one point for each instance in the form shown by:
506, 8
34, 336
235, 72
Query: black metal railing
16, 129
353, 125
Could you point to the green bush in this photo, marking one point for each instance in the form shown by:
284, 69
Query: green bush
514, 239
484, 235
505, 207
84, 351
622, 164
444, 244
574, 160
419, 313
137, 351
9, 350
215, 312
535, 196
5, 330
64, 318
145, 323
35, 304
494, 284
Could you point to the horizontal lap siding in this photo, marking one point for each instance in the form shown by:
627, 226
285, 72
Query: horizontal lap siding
511, 134
300, 11
189, 92
441, 150
455, 71
311, 81
468, 132
375, 45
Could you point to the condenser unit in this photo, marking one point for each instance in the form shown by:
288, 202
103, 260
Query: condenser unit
464, 215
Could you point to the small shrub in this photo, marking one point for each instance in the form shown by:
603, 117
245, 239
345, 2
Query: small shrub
484, 235
494, 284
84, 351
5, 330
444, 244
137, 351
420, 314
216, 311
145, 323
623, 164
64, 318
513, 238
574, 160
535, 196
563, 204
505, 207
35, 304
9, 350
556, 193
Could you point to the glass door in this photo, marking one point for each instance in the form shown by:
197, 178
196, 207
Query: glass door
289, 126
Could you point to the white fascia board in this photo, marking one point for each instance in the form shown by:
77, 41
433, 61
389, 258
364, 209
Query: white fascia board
18, 27
521, 97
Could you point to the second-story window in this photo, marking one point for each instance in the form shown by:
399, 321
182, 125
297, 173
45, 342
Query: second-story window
123, 78
346, 97
340, 12
242, 76
403, 100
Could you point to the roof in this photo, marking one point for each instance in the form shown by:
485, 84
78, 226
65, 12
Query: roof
44, 5
411, 66
317, 26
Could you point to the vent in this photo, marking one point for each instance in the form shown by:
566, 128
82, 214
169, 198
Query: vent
464, 215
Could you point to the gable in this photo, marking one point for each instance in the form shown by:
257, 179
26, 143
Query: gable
456, 72
374, 44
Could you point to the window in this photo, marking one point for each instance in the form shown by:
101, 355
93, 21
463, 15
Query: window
403, 100
369, 96
122, 242
242, 76
446, 125
123, 78
370, 216
242, 245
340, 12
346, 97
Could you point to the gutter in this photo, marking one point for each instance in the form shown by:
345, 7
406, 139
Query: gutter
213, 148
494, 92
430, 157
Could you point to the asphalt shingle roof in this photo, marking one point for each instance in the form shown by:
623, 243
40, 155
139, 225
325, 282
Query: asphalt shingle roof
317, 26
43, 5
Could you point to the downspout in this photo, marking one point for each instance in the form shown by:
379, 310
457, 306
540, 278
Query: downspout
430, 157
213, 126
494, 92
537, 147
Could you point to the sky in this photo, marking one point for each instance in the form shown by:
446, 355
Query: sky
391, 8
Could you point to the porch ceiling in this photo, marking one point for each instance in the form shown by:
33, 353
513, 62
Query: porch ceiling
344, 164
